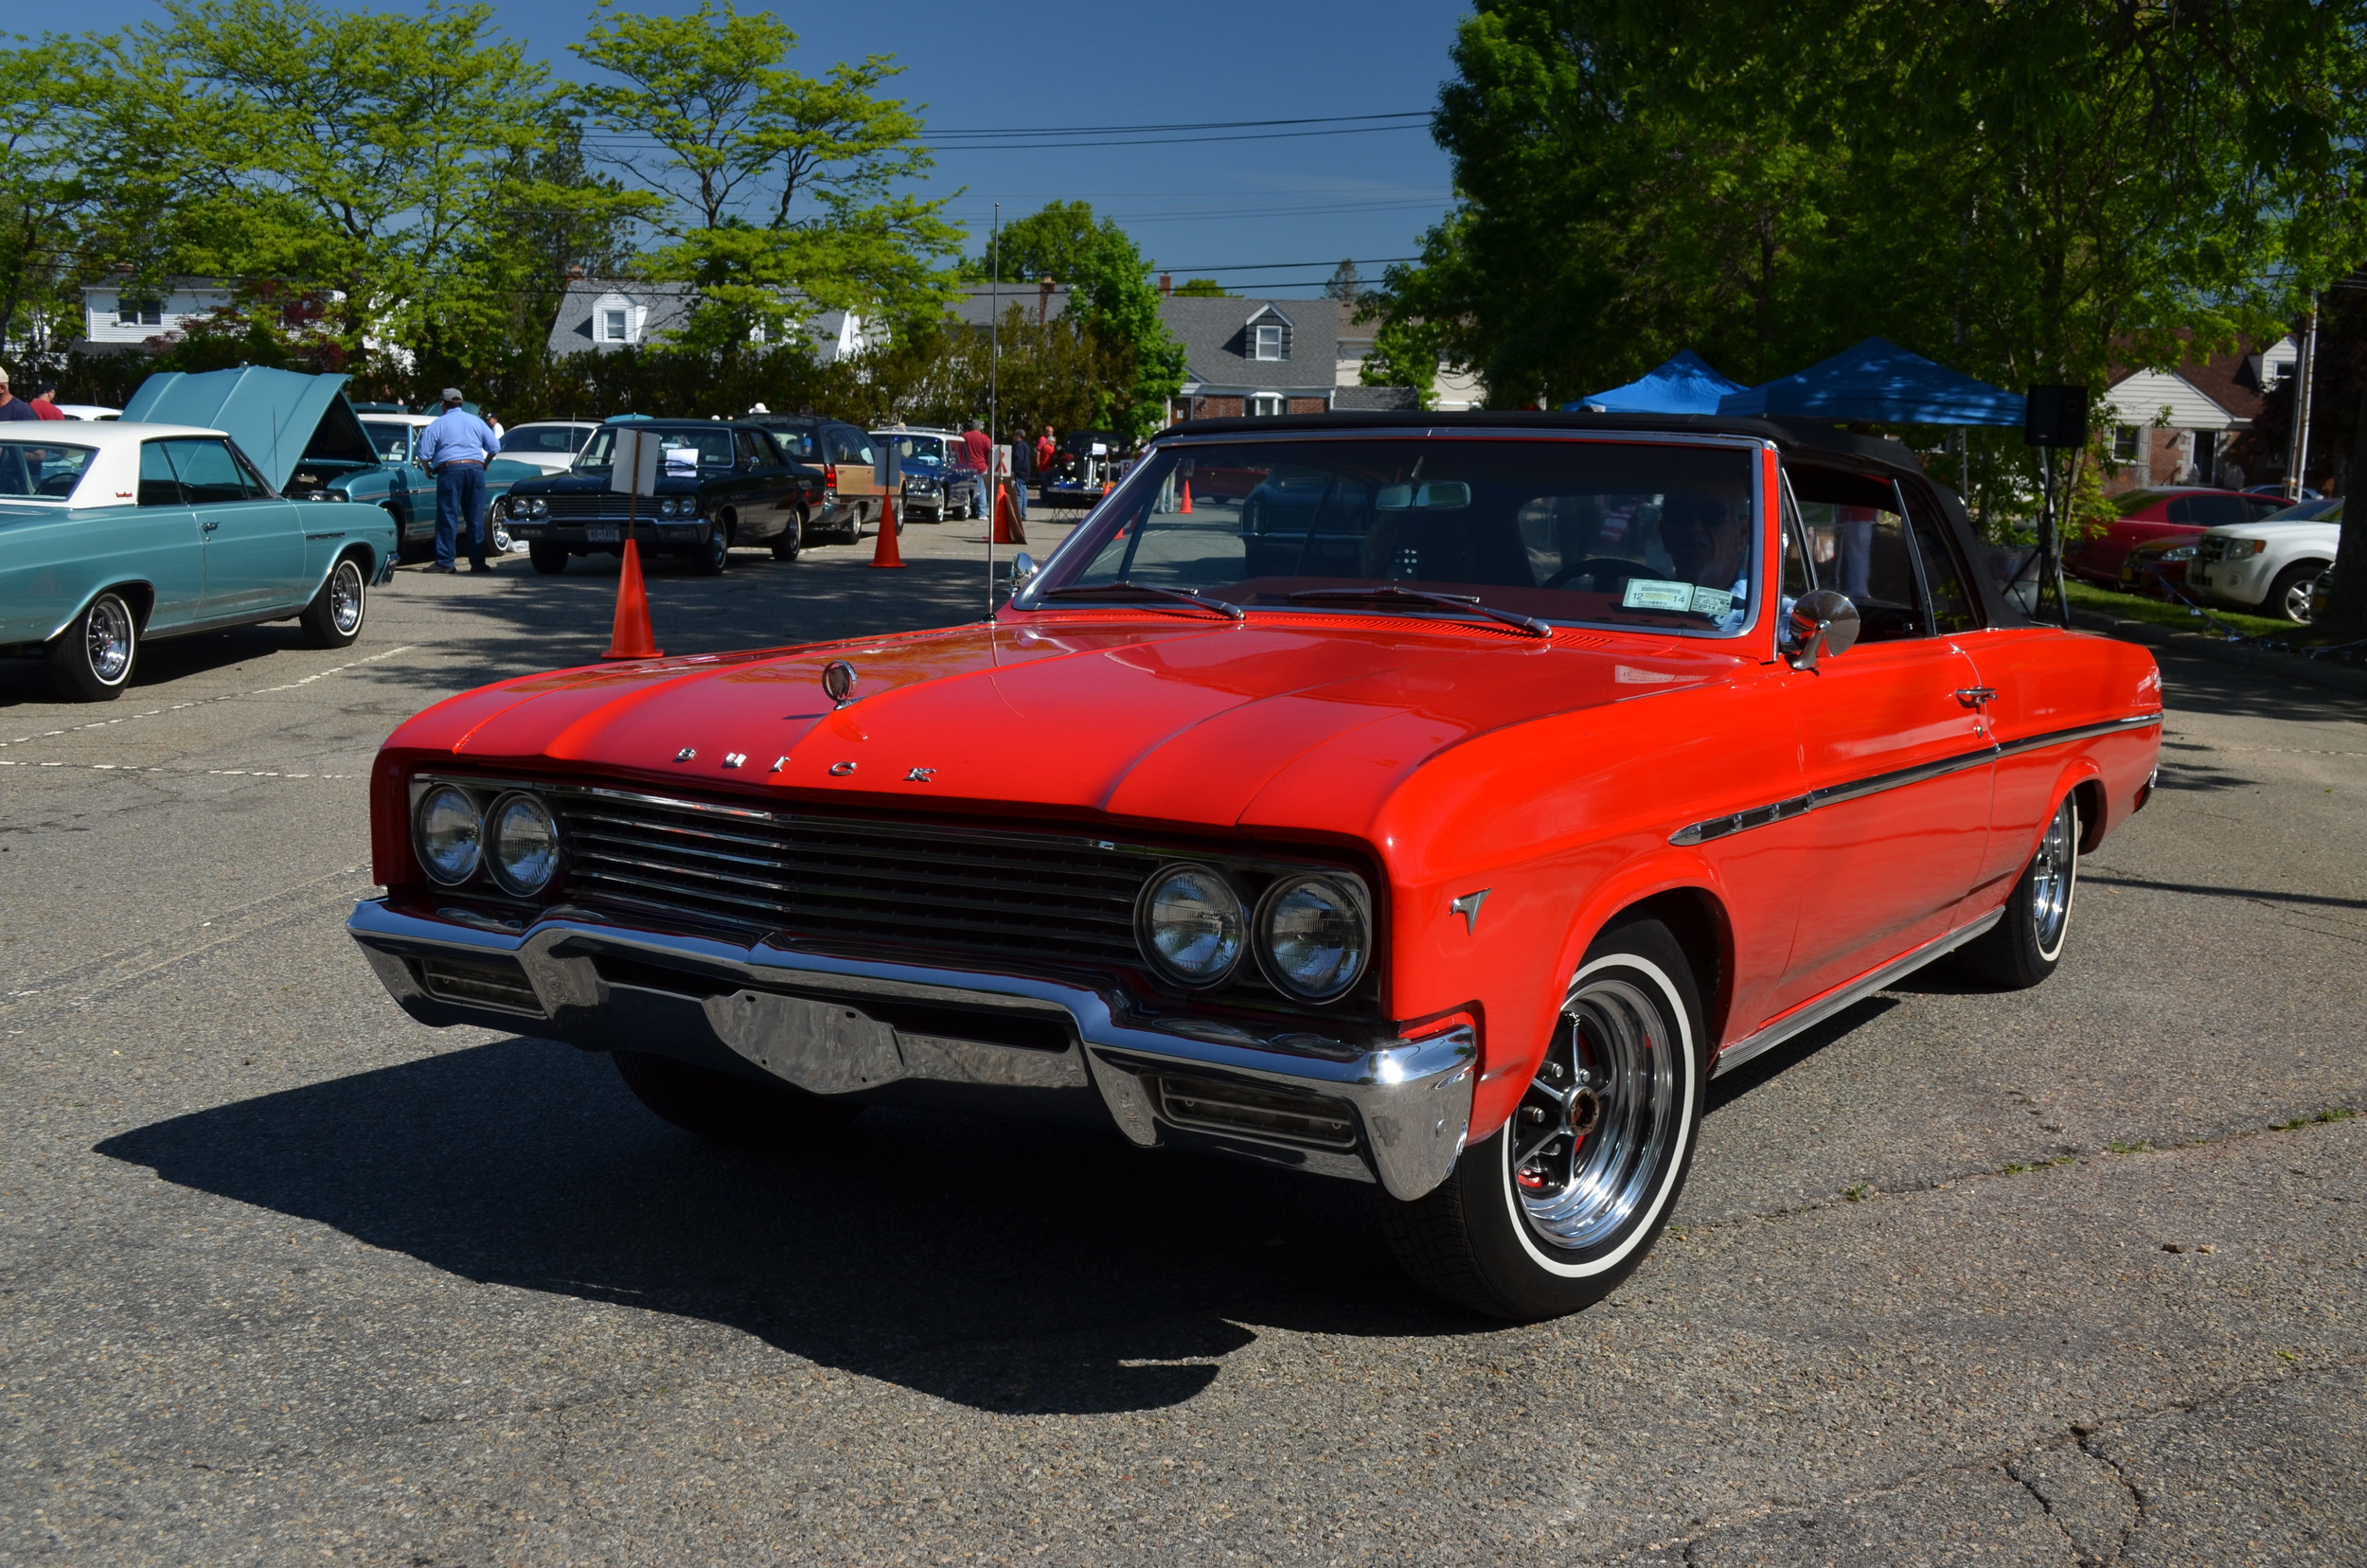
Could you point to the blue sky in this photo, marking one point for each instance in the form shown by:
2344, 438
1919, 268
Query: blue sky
1196, 208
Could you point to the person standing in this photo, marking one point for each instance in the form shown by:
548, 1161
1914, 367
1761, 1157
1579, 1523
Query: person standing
46, 402
1046, 448
1023, 470
981, 455
456, 447
13, 407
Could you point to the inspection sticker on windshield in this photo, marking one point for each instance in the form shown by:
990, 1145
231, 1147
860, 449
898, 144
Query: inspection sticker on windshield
1651, 594
1654, 594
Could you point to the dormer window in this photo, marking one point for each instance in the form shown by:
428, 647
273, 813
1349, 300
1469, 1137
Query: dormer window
615, 319
1267, 336
615, 325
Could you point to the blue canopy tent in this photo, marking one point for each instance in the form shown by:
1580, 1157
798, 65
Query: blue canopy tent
1879, 383
1686, 384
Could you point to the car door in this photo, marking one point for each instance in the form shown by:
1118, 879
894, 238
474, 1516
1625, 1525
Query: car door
54, 559
1896, 760
253, 541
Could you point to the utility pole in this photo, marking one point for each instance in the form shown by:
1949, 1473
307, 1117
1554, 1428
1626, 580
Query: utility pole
2306, 378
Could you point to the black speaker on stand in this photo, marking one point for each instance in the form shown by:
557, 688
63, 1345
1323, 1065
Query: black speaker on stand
2054, 417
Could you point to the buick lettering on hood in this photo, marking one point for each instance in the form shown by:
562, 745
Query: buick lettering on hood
1437, 804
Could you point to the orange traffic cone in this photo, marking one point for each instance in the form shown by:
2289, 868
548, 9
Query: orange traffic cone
1008, 528
631, 638
887, 552
1186, 503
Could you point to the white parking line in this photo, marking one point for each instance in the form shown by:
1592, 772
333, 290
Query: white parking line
203, 702
188, 773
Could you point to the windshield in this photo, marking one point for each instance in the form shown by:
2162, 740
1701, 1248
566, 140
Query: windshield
391, 442
42, 469
544, 437
686, 451
928, 449
1615, 533
2309, 511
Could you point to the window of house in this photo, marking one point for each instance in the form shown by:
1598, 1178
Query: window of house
1266, 405
139, 312
2124, 444
1268, 340
615, 326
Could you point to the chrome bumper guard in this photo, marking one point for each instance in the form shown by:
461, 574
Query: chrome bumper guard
1395, 1110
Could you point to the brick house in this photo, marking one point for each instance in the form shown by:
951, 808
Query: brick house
2173, 427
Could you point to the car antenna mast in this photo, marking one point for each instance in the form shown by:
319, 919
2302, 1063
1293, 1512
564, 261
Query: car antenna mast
994, 368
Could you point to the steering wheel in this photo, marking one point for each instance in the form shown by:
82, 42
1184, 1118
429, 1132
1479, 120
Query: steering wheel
1599, 565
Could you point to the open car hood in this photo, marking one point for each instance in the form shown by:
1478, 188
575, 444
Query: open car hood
279, 418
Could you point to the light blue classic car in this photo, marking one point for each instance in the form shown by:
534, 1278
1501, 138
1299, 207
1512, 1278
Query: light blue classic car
116, 533
370, 454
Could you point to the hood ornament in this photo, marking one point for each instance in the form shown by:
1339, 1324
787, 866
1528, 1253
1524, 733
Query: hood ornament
838, 682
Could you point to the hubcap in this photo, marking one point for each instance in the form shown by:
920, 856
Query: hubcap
2297, 604
344, 599
108, 631
1594, 1131
2051, 873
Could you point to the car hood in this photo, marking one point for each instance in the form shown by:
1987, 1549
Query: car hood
568, 482
2329, 526
1280, 722
275, 416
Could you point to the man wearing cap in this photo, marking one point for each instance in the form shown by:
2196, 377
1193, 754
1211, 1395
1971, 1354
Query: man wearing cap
12, 407
456, 447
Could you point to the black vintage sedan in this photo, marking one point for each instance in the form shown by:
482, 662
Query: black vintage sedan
722, 484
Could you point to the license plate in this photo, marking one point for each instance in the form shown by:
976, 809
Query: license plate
602, 533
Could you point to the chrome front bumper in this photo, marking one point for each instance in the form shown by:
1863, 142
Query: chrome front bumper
1395, 1110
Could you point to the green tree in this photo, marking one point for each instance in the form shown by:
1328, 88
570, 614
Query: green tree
1202, 287
2030, 190
53, 101
775, 190
361, 156
1113, 299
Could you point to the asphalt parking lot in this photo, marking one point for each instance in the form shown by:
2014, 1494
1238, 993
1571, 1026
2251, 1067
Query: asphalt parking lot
2068, 1276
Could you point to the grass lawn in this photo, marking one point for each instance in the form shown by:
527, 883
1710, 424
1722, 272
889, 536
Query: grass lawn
2138, 607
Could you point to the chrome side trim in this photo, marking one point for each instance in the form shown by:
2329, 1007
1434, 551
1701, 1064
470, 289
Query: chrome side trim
801, 1016
1899, 779
1808, 1015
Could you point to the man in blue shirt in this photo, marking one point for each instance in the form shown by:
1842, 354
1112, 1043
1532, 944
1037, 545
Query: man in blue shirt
456, 447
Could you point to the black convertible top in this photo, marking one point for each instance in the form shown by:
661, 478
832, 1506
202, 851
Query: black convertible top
1802, 441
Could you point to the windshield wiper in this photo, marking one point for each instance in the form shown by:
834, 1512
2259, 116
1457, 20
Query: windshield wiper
1464, 604
1122, 587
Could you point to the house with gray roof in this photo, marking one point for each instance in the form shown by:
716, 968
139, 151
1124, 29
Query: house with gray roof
601, 314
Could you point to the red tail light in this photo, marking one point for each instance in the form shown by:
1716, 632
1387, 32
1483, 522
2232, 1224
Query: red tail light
829, 476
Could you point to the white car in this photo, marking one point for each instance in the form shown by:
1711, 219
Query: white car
550, 445
2267, 566
89, 411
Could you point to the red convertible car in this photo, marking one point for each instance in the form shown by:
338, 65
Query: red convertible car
1442, 811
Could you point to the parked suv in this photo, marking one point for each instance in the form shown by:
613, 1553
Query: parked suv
2269, 565
844, 453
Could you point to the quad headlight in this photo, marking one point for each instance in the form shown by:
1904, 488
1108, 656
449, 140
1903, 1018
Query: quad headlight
515, 841
1315, 934
449, 834
1191, 925
521, 842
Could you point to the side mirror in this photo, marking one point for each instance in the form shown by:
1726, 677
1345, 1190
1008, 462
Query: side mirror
1821, 622
1022, 567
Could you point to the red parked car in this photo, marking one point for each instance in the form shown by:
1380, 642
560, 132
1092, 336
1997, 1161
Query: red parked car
1445, 822
2142, 516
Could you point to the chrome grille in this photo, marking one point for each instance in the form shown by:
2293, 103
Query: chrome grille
1046, 896
2210, 547
604, 508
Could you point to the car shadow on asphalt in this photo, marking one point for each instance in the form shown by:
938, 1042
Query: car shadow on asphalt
1773, 1064
1006, 1267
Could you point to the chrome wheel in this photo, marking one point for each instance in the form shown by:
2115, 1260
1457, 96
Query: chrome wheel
1603, 1116
2054, 877
2295, 606
346, 591
107, 635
